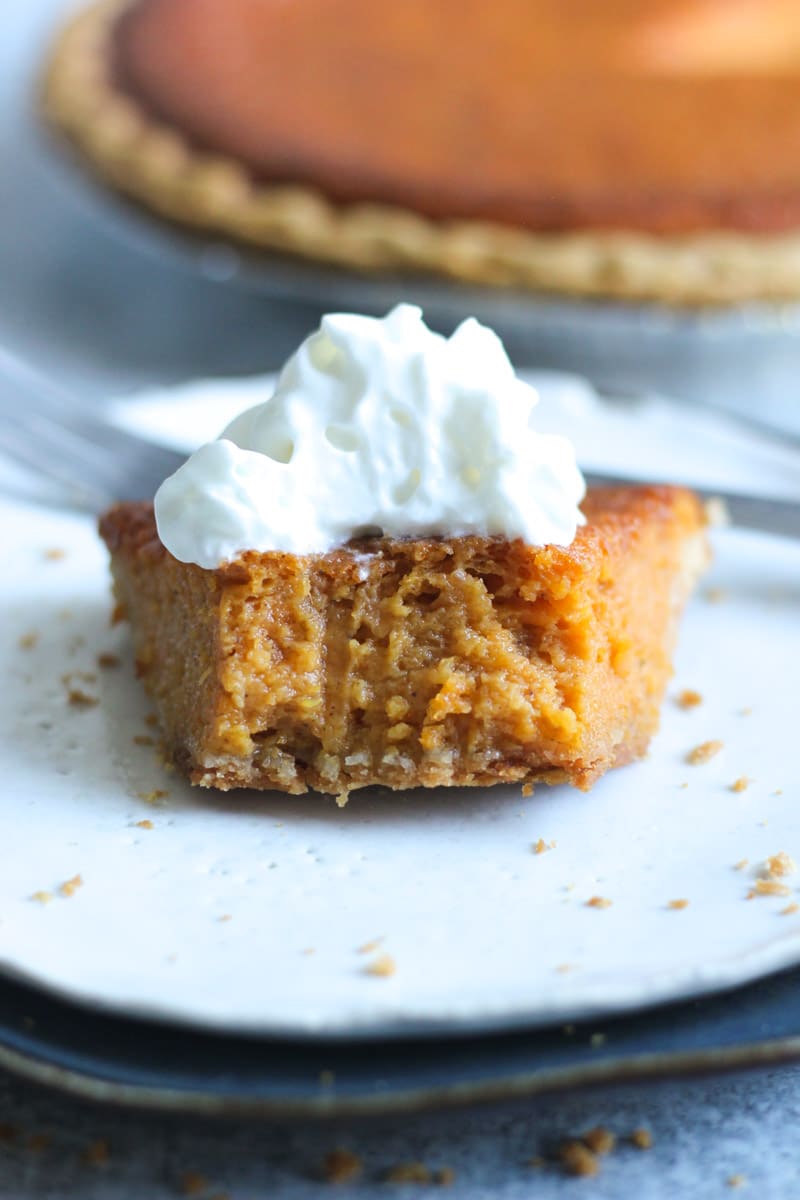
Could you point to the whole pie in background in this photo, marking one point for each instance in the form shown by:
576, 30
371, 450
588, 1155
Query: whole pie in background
644, 149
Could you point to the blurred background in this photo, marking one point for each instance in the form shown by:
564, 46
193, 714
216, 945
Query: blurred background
110, 299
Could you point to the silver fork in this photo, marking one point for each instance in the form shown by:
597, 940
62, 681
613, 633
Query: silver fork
96, 463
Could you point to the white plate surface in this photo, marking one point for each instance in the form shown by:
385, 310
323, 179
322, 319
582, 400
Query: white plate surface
247, 911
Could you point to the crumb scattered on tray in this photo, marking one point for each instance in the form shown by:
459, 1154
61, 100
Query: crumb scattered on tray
789, 909
152, 720
143, 739
144, 825
704, 752
780, 864
741, 784
42, 897
745, 712
599, 1140
689, 698
769, 887
54, 554
565, 968
741, 864
383, 966
444, 1176
599, 902
578, 1159
107, 661
409, 1172
642, 1139
541, 846
96, 1153
527, 790
70, 886
716, 595
736, 1181
28, 640
192, 1183
341, 1166
225, 917
678, 904
38, 1142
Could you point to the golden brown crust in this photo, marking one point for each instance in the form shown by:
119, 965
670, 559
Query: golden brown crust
153, 162
414, 662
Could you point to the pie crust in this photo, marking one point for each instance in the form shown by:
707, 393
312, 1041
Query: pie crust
154, 164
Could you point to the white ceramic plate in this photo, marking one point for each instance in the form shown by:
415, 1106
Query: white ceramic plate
247, 911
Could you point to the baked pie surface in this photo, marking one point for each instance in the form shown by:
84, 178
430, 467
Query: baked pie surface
652, 165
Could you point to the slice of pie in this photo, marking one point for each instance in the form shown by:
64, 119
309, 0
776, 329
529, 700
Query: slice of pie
406, 663
630, 148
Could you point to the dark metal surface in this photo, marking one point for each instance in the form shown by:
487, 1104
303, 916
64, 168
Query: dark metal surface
157, 1066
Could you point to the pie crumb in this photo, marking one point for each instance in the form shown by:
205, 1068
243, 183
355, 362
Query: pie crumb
107, 661
677, 904
153, 796
54, 554
599, 902
409, 1172
342, 1166
769, 887
444, 1176
689, 698
780, 864
144, 825
716, 595
193, 1183
368, 947
790, 908
736, 1181
704, 752
578, 1159
42, 897
383, 966
642, 1139
599, 1140
96, 1153
142, 739
741, 784
28, 640
527, 790
741, 864
70, 886
542, 846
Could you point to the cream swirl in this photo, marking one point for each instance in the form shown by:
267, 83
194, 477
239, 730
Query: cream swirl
377, 425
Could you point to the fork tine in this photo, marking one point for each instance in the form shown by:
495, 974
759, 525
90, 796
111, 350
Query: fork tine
61, 438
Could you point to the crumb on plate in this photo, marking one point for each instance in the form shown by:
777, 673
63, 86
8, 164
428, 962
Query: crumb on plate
678, 904
741, 784
641, 1138
704, 752
780, 864
599, 902
689, 698
383, 966
70, 886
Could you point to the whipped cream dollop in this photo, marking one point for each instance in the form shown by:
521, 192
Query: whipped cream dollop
377, 425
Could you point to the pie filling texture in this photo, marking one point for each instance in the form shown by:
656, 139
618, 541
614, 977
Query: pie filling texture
407, 663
